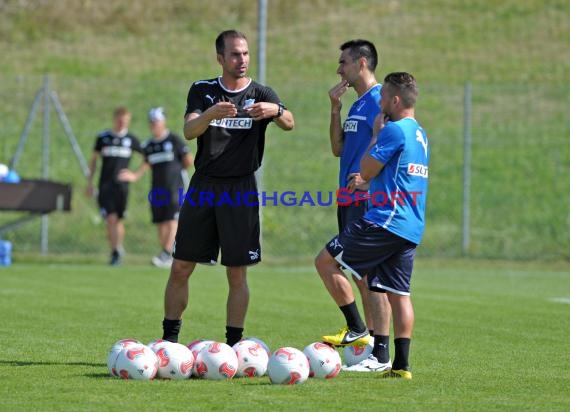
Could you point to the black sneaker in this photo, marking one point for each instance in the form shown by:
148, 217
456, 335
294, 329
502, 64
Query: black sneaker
115, 258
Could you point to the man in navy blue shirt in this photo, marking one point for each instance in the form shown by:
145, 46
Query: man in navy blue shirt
383, 242
357, 63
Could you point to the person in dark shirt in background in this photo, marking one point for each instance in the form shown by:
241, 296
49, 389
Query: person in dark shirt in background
115, 147
168, 157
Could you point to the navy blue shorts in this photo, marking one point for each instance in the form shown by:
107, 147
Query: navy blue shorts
346, 214
366, 248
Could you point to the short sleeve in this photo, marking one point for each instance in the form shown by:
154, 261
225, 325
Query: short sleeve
144, 147
136, 145
180, 147
98, 146
194, 101
373, 107
270, 96
390, 142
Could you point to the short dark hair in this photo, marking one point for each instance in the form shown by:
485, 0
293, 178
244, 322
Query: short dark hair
404, 85
362, 48
227, 34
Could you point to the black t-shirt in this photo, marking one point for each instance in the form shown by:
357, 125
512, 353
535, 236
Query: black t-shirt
230, 147
116, 152
165, 157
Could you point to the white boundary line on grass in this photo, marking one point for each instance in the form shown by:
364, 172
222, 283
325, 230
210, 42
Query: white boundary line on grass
560, 300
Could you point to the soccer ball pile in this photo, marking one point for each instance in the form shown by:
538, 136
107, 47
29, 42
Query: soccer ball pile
207, 359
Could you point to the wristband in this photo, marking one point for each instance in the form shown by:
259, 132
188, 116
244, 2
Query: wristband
279, 110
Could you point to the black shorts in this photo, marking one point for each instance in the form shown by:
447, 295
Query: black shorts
386, 258
112, 198
349, 213
219, 214
167, 212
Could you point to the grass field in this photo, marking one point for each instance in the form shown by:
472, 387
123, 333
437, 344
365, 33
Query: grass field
488, 336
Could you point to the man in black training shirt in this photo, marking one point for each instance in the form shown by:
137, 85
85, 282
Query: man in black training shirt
168, 157
115, 146
228, 115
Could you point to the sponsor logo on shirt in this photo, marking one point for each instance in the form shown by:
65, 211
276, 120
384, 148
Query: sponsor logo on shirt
160, 157
417, 170
233, 123
116, 151
351, 126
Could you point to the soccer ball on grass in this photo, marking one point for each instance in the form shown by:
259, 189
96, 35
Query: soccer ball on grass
324, 360
175, 361
217, 361
114, 352
137, 362
288, 366
252, 358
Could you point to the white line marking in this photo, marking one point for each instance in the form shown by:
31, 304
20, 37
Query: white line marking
561, 300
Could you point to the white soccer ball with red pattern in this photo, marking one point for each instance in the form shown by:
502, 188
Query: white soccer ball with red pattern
324, 360
356, 354
137, 362
263, 345
175, 361
288, 366
114, 352
195, 347
157, 343
217, 361
252, 358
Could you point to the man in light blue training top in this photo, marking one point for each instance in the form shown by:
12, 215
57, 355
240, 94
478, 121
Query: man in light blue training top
356, 65
383, 242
